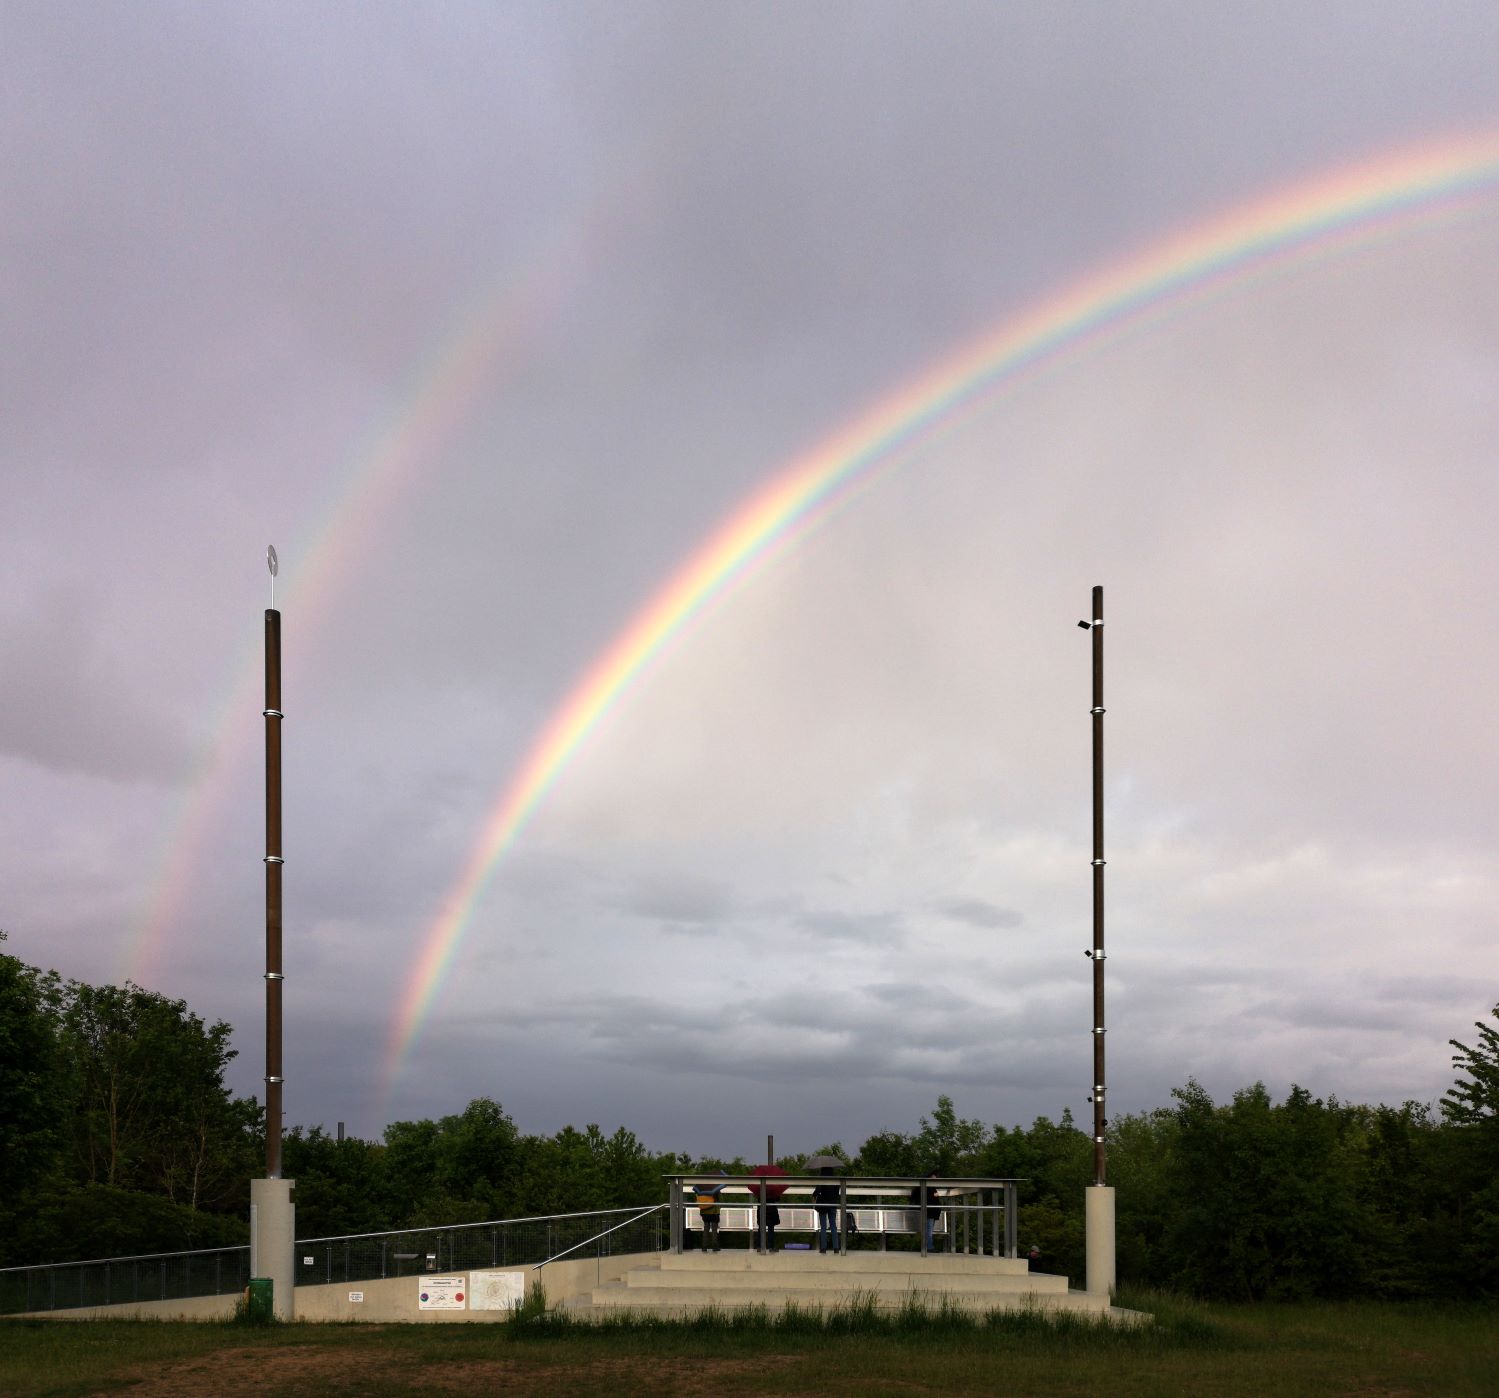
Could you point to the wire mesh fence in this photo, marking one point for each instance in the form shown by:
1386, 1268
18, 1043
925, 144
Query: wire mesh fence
512, 1242
177, 1276
172, 1276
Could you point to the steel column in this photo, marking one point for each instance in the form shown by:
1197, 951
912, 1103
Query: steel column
273, 863
1100, 1120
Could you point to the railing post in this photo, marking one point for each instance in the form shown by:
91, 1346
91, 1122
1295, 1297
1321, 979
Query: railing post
843, 1217
921, 1215
1012, 1223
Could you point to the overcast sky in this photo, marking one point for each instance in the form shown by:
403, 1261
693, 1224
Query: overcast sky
486, 315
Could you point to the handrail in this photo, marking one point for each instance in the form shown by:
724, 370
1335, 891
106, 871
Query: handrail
854, 1181
128, 1257
624, 1223
454, 1227
923, 1192
328, 1238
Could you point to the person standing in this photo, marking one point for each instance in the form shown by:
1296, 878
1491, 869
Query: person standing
708, 1211
933, 1212
825, 1199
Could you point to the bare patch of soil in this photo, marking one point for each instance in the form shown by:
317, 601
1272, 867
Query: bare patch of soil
291, 1369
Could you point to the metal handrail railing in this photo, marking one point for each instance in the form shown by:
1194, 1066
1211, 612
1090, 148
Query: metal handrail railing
158, 1276
623, 1223
924, 1187
450, 1227
130, 1257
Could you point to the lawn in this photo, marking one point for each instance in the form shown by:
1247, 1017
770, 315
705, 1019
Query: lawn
1363, 1349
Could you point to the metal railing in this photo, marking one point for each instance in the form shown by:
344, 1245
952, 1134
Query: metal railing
109, 1281
599, 1238
175, 1276
510, 1242
977, 1216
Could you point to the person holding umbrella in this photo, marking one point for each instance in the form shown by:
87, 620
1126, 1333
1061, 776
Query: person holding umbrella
767, 1193
825, 1199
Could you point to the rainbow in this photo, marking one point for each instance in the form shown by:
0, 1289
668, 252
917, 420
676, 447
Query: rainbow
378, 472
1329, 210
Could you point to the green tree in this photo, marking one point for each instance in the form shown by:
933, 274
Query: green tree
152, 1110
1474, 1100
35, 1088
340, 1184
887, 1153
1270, 1205
1471, 1106
948, 1144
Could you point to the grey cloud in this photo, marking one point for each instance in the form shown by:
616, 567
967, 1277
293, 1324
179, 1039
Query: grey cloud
684, 901
66, 705
881, 929
977, 912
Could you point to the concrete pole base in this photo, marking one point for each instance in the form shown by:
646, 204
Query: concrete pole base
1099, 1219
273, 1235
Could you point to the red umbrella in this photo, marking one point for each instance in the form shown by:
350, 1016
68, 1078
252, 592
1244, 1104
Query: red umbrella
772, 1191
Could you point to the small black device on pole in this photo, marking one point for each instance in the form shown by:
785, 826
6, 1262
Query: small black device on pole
273, 863
1100, 1121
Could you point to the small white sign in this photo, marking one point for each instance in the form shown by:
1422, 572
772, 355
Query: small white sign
356, 1296
496, 1291
441, 1293
307, 1262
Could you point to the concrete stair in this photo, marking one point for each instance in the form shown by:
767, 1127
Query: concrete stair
683, 1285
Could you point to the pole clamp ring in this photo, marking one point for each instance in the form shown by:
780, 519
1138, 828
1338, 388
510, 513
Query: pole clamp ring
269, 1078
1098, 621
272, 713
274, 976
1098, 861
1100, 1030
273, 859
1098, 709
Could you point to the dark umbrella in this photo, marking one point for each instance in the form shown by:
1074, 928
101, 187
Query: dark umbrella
772, 1191
828, 1164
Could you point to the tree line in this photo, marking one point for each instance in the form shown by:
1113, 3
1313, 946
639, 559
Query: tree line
118, 1135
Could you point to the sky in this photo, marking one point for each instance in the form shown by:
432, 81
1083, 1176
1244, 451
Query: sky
492, 317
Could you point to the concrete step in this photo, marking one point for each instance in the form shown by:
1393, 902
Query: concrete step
838, 1280
683, 1285
690, 1303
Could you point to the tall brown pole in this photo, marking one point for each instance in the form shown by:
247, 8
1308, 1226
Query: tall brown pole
1099, 1119
273, 862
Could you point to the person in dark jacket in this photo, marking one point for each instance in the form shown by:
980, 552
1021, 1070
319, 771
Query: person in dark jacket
933, 1212
825, 1199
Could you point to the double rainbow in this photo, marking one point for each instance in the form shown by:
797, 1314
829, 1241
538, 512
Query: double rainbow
1327, 212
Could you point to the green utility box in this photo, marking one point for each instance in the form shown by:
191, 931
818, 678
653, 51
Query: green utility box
260, 1301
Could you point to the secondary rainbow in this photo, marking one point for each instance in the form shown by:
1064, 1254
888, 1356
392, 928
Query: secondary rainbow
433, 401
1330, 210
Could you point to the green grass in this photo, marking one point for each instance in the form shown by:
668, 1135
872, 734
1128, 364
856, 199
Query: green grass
1191, 1348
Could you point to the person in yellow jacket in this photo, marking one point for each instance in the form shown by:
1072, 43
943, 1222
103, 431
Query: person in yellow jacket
707, 1207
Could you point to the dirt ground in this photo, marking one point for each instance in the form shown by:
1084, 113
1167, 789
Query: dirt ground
294, 1369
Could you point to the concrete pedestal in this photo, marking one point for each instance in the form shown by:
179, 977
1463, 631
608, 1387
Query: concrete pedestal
273, 1234
1099, 1218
